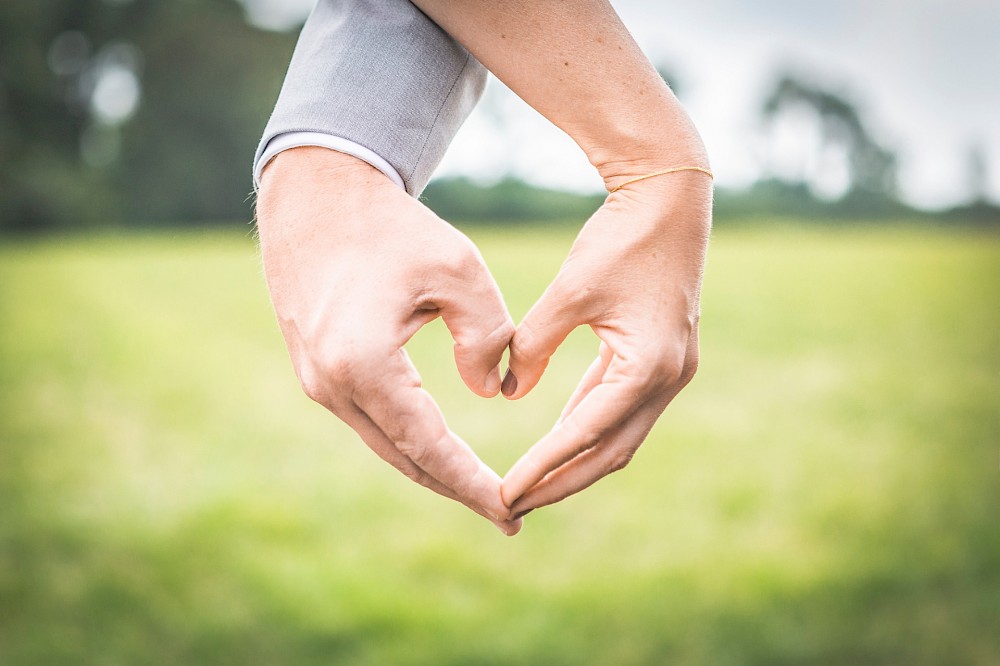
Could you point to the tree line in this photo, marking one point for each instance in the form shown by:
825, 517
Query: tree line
205, 81
144, 112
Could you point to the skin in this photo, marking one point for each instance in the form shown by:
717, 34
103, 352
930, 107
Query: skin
355, 267
634, 273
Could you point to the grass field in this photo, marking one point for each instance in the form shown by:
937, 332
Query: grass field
825, 492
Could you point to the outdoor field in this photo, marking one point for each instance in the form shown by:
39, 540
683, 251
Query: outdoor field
826, 491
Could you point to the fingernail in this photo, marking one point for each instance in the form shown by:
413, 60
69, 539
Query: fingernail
492, 384
509, 386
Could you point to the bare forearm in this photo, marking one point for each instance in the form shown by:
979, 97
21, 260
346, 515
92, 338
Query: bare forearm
577, 64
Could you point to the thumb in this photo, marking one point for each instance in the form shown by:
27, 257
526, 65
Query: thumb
538, 336
477, 318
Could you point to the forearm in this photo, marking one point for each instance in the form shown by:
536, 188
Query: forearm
577, 64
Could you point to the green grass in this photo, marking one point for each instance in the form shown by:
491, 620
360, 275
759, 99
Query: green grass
825, 492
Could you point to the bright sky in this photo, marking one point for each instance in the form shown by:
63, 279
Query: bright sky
925, 74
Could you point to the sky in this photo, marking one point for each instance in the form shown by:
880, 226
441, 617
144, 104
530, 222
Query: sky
925, 75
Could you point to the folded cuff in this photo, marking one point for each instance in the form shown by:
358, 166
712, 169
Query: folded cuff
289, 140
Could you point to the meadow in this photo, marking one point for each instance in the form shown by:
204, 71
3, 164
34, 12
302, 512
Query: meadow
826, 491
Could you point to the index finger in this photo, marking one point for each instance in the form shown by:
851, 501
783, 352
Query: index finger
613, 453
605, 407
408, 416
386, 449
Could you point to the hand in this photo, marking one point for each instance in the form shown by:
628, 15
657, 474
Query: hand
355, 267
634, 275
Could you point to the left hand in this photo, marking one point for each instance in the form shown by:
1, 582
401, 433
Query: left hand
355, 266
634, 275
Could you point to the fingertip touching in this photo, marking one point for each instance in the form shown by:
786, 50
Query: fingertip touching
479, 346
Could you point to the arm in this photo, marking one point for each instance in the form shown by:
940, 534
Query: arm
577, 65
380, 75
634, 272
355, 265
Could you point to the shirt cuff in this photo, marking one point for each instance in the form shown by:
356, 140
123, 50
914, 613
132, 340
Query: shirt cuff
289, 140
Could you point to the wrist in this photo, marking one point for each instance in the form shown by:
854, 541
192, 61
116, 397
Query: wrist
302, 165
633, 147
298, 180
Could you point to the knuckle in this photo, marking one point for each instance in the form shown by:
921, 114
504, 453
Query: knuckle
690, 368
411, 448
328, 371
520, 343
459, 259
415, 474
527, 345
670, 365
494, 342
666, 368
339, 366
489, 340
504, 333
620, 460
348, 359
420, 447
312, 384
585, 435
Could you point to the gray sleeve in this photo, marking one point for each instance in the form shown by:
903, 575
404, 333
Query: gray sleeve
383, 75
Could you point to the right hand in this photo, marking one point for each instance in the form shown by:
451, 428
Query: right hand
355, 266
634, 276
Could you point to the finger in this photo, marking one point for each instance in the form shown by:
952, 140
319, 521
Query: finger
475, 313
611, 450
591, 378
607, 405
385, 449
612, 454
537, 337
412, 421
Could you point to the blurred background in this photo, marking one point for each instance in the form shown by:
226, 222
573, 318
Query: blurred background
826, 491
138, 113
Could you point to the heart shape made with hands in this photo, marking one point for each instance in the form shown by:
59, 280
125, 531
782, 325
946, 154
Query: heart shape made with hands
355, 271
528, 472
648, 353
503, 420
639, 292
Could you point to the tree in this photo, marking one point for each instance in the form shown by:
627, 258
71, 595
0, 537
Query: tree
871, 167
204, 82
209, 82
45, 95
977, 173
